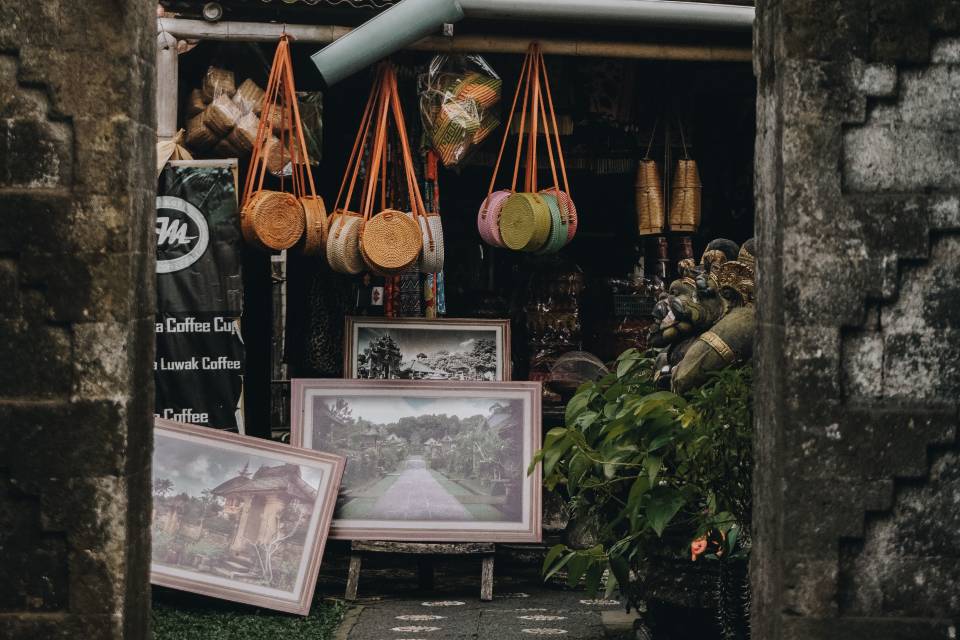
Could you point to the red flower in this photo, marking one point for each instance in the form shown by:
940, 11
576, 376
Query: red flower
697, 547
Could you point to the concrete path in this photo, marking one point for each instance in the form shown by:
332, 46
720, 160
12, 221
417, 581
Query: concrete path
416, 495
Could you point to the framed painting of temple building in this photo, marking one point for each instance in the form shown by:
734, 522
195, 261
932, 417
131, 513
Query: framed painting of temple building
427, 460
419, 349
239, 518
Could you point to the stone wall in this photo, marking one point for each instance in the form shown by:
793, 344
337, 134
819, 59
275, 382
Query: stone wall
857, 521
76, 311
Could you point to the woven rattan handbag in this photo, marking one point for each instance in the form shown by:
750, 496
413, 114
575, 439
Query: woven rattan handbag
488, 218
430, 225
543, 221
685, 197
274, 219
391, 240
343, 238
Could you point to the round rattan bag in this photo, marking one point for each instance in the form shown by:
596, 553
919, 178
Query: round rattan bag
343, 243
315, 235
525, 222
272, 220
558, 225
567, 209
431, 259
390, 241
488, 219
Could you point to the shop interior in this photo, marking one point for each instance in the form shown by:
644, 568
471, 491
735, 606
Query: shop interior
596, 293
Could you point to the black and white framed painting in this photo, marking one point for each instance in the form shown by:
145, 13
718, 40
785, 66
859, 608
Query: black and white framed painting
419, 349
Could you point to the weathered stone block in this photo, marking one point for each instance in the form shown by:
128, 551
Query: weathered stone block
900, 157
35, 153
62, 440
37, 360
33, 573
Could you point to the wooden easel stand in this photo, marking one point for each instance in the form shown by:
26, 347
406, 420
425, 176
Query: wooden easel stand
425, 553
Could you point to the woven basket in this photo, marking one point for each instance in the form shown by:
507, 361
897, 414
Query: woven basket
650, 211
272, 220
431, 259
218, 81
224, 149
195, 103
343, 243
454, 128
276, 156
488, 218
277, 121
315, 225
199, 136
488, 125
558, 224
221, 115
249, 97
390, 241
685, 197
525, 222
483, 89
244, 135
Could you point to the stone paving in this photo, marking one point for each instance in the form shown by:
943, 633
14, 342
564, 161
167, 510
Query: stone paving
536, 611
416, 495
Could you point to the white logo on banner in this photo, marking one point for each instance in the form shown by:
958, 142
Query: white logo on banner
172, 232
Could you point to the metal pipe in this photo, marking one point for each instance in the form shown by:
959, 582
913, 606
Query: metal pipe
167, 79
403, 24
696, 15
324, 34
396, 28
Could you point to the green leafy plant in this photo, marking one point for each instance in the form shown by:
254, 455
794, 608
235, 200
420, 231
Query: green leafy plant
648, 469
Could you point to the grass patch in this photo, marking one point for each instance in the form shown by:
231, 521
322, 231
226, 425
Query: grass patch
184, 617
482, 512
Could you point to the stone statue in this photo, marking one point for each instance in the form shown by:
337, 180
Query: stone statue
705, 320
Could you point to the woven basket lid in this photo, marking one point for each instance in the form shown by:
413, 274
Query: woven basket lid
315, 235
488, 218
558, 226
272, 220
517, 221
431, 260
391, 240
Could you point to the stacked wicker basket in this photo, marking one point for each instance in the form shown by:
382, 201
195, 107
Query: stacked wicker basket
539, 221
275, 220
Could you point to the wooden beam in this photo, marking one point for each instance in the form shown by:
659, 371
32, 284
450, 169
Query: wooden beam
324, 34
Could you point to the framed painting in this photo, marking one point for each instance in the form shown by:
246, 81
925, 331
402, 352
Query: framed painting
239, 518
427, 461
419, 349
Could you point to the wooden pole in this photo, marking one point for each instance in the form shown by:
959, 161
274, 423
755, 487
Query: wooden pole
322, 34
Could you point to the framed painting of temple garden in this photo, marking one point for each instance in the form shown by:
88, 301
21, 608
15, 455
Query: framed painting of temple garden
419, 349
427, 461
239, 518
